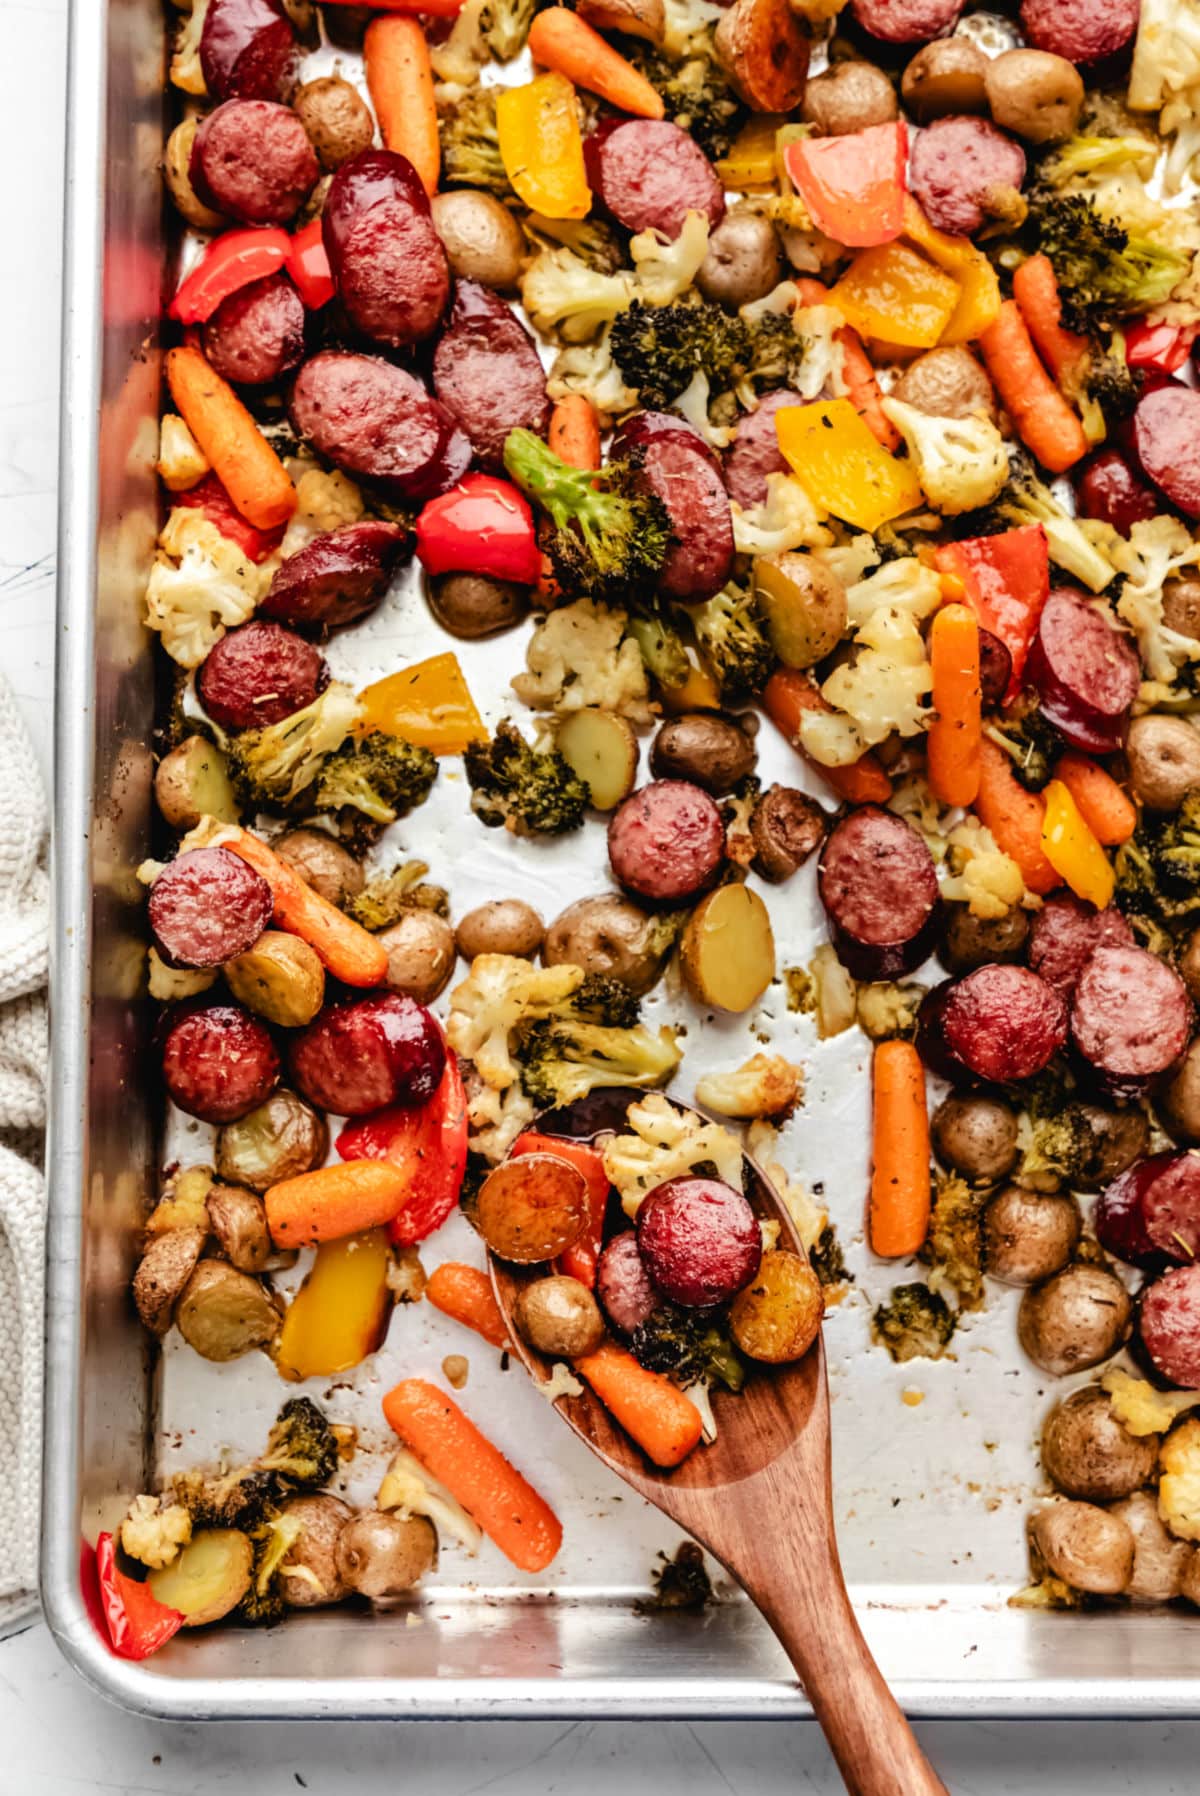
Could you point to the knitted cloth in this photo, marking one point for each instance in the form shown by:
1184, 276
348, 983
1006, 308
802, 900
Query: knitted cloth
24, 929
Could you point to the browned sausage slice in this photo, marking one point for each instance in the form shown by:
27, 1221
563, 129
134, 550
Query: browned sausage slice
650, 174
906, 21
1002, 1023
1130, 1018
755, 452
679, 467
206, 906
879, 887
623, 1284
218, 1061
487, 372
960, 170
995, 669
361, 1056
259, 674
1166, 436
1169, 1319
1086, 32
247, 50
1085, 673
339, 576
1066, 933
252, 160
1109, 490
377, 422
257, 335
667, 841
387, 259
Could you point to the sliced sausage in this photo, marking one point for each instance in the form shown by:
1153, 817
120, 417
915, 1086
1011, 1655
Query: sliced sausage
786, 826
487, 372
339, 576
360, 1056
1169, 1320
218, 1061
1130, 1018
650, 174
1085, 673
1110, 490
377, 422
387, 259
623, 1284
995, 669
1065, 934
879, 887
206, 906
1002, 1023
257, 334
960, 170
1150, 1216
666, 842
680, 469
260, 674
906, 21
247, 50
252, 160
1166, 436
755, 452
1086, 32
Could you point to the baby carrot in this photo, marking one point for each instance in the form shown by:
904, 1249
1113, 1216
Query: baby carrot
492, 1492
954, 736
664, 1422
400, 81
789, 693
1044, 420
1014, 816
1035, 289
236, 449
465, 1294
574, 432
1109, 813
858, 372
899, 1209
334, 1201
562, 41
342, 946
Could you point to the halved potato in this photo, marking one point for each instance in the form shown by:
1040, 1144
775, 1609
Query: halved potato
602, 749
728, 950
208, 1578
280, 978
224, 1313
192, 782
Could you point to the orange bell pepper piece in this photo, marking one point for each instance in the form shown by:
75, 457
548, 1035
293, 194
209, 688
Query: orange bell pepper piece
428, 703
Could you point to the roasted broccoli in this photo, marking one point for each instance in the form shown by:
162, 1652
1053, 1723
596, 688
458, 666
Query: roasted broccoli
1158, 873
530, 793
272, 1540
385, 898
302, 1449
471, 144
914, 1324
591, 239
379, 775
610, 536
734, 642
954, 1245
274, 766
562, 1058
679, 1583
1032, 744
659, 348
505, 26
1175, 848
828, 1259
1025, 499
773, 355
689, 1346
1057, 1142
662, 648
1104, 272
237, 1499
301, 1455
603, 1000
696, 96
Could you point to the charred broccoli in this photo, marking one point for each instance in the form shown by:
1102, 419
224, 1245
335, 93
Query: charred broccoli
1104, 272
734, 642
563, 1058
1158, 873
272, 767
828, 1259
696, 96
385, 898
915, 1324
662, 648
272, 1540
529, 793
1032, 744
471, 144
237, 1499
659, 348
679, 1583
301, 1455
954, 1246
610, 536
773, 355
379, 775
689, 1346
302, 1449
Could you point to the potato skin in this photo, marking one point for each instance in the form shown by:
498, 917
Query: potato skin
976, 1136
239, 1221
712, 752
163, 1273
969, 942
282, 1137
947, 383
482, 239
323, 1517
224, 1313
501, 926
1179, 1102
322, 863
743, 262
1161, 1563
608, 935
559, 1317
848, 97
776, 1317
1027, 1237
1086, 1547
1121, 1137
381, 1555
1075, 1320
471, 606
1163, 756
944, 77
227, 1556
191, 782
1034, 94
177, 159
336, 117
420, 951
280, 979
1089, 1454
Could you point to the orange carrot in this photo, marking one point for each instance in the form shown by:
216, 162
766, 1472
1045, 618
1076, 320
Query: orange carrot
664, 1422
492, 1492
561, 40
574, 432
899, 1209
343, 946
1044, 420
580, 1259
1109, 813
1035, 289
465, 1293
400, 80
954, 736
237, 451
336, 1200
789, 693
862, 388
1014, 816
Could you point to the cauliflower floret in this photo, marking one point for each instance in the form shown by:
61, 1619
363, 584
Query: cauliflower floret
687, 26
579, 656
562, 1382
1140, 1408
786, 519
885, 1009
981, 875
496, 1118
765, 1085
201, 585
153, 1532
1179, 1480
561, 293
877, 694
1166, 55
458, 60
903, 585
323, 502
408, 1489
500, 991
961, 463
1156, 549
693, 404
171, 984
810, 1217
666, 1143
588, 368
834, 991
181, 461
186, 73
667, 269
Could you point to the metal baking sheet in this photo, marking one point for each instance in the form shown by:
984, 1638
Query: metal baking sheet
934, 1464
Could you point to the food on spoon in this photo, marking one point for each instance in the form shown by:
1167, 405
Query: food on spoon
532, 1208
699, 1239
559, 1317
775, 1318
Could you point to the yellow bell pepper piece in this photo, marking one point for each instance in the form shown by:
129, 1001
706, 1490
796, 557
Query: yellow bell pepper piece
428, 703
699, 692
542, 148
340, 1313
979, 295
750, 160
842, 467
892, 293
1073, 850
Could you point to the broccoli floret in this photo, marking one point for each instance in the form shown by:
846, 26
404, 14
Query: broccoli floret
529, 793
1112, 385
696, 96
272, 767
1094, 154
237, 1499
273, 1539
1176, 848
379, 775
774, 354
914, 1324
384, 899
302, 1449
562, 1059
593, 241
828, 1259
954, 1245
1104, 272
471, 145
610, 536
659, 348
505, 26
1032, 744
1158, 874
679, 1583
662, 648
608, 1001
689, 1346
301, 1455
734, 642
1027, 500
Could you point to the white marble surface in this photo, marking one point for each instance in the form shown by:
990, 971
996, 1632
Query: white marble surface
59, 1739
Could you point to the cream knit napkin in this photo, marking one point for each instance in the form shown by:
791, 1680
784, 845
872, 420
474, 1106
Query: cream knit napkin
24, 931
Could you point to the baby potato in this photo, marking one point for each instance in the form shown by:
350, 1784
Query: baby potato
177, 160
1034, 94
380, 1555
471, 606
501, 926
944, 77
1120, 1136
309, 1576
239, 1221
744, 260
559, 1316
1027, 1236
1088, 1453
482, 239
165, 1268
1163, 755
322, 863
279, 1139
192, 782
208, 1579
420, 951
969, 941
850, 96
1076, 1319
803, 605
602, 749
224, 1313
775, 1318
633, 18
280, 979
711, 751
612, 936
1160, 1561
1088, 1548
976, 1136
728, 949
336, 118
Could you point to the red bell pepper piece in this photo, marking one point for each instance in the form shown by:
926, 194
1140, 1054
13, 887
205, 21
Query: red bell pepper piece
430, 1143
308, 265
210, 497
434, 9
230, 261
481, 526
138, 1624
853, 186
580, 1259
1006, 581
1162, 347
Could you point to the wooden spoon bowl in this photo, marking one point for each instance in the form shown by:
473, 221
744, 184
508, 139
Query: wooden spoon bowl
760, 1500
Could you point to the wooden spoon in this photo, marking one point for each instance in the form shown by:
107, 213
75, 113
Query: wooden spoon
760, 1500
